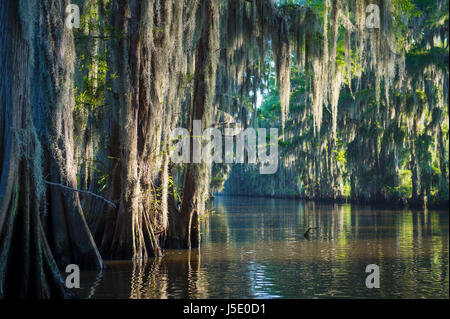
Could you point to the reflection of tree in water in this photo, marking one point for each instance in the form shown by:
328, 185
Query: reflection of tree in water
143, 282
254, 219
89, 282
176, 275
215, 227
258, 249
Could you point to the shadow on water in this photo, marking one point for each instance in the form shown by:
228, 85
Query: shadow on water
256, 248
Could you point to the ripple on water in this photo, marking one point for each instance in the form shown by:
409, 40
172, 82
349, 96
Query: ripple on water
256, 249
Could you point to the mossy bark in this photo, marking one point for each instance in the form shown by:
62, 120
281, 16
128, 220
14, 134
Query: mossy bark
27, 266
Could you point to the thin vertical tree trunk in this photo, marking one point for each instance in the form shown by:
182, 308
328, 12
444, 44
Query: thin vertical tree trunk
196, 184
414, 167
442, 162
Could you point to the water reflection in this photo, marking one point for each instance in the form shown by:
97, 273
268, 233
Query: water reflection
255, 248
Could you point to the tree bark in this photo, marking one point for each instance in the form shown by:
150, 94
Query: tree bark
54, 100
196, 184
27, 266
135, 126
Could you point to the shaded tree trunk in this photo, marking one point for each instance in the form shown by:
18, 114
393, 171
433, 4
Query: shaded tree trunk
54, 100
135, 125
442, 162
196, 183
414, 168
27, 266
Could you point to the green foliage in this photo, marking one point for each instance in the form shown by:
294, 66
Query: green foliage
419, 59
174, 189
376, 144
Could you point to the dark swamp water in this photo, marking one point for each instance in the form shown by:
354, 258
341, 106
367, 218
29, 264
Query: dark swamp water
255, 248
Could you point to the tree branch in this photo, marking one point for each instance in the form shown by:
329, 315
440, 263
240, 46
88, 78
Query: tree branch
81, 191
306, 233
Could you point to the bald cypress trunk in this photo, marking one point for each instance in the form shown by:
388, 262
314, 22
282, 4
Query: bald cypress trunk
42, 226
27, 266
196, 183
54, 100
134, 123
414, 169
442, 159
